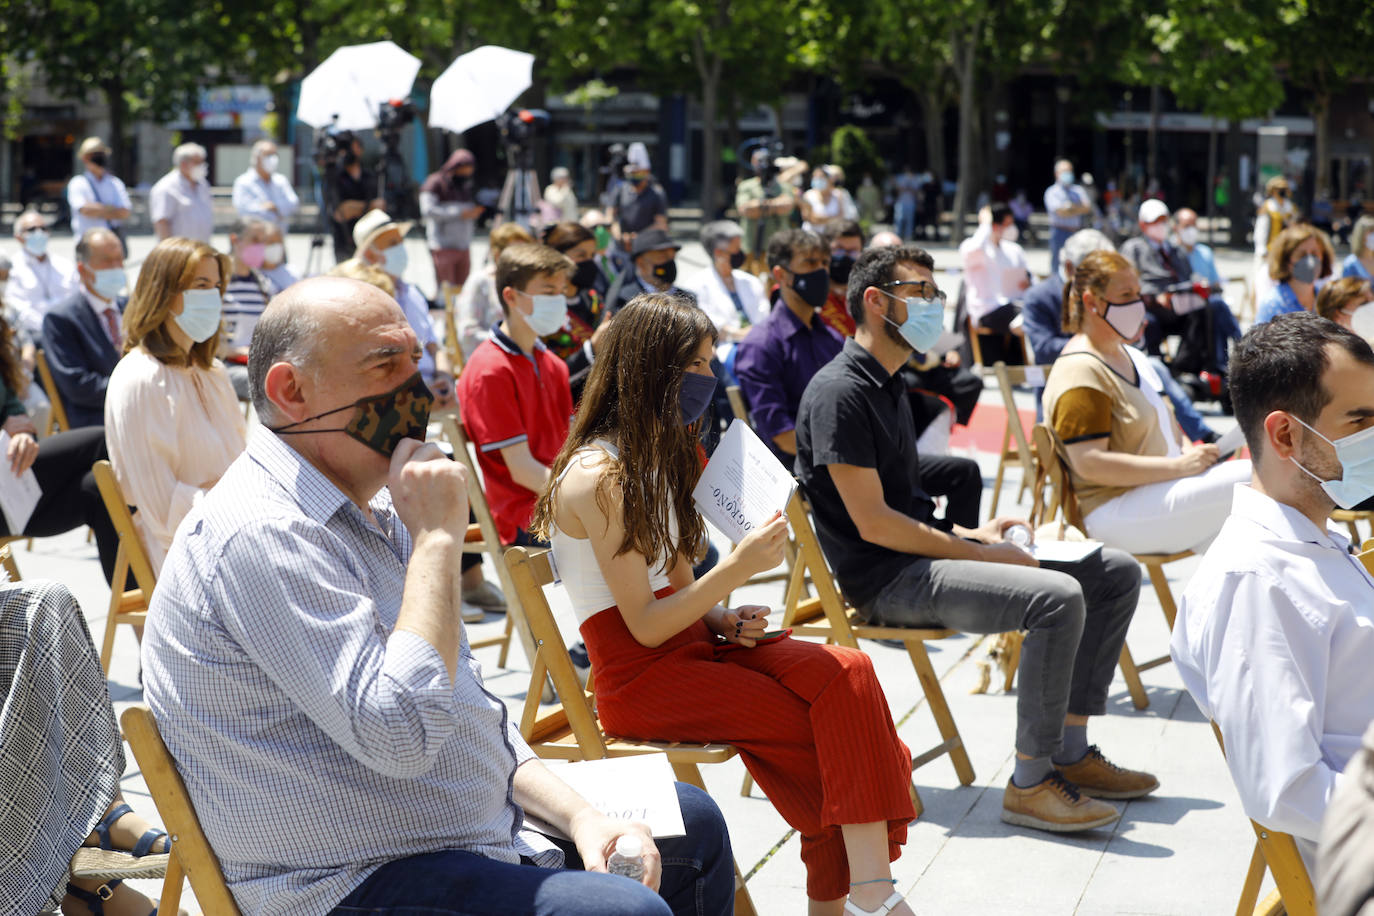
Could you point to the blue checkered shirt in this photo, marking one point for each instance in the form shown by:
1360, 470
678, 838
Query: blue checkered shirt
317, 742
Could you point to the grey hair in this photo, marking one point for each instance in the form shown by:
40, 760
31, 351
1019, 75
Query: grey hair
285, 333
1079, 245
716, 235
30, 212
258, 147
250, 224
90, 238
186, 151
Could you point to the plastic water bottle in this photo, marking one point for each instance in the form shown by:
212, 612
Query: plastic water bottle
1020, 536
627, 859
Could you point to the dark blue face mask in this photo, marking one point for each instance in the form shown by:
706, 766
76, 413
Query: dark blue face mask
695, 396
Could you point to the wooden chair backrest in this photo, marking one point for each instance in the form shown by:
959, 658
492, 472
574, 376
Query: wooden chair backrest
1052, 475
1285, 862
737, 404
129, 541
8, 565
1008, 377
811, 560
1366, 555
531, 570
58, 418
448, 293
190, 848
451, 422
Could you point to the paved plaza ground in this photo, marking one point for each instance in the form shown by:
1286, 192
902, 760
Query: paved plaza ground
1183, 850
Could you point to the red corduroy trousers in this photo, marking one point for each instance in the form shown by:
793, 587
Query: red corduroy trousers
810, 722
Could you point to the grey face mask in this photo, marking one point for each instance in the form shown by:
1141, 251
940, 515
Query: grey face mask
1305, 269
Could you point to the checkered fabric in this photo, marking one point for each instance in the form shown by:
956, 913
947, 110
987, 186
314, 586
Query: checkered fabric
60, 752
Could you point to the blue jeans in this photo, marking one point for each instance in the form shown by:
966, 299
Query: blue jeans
904, 214
1057, 239
1194, 427
698, 879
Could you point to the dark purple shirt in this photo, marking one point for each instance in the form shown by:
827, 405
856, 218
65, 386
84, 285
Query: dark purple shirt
775, 362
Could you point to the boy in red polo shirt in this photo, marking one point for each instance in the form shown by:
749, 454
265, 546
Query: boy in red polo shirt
513, 392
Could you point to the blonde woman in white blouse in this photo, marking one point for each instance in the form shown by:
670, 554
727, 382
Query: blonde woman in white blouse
172, 421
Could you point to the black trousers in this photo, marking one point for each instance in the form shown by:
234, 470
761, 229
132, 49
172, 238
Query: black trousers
961, 386
70, 497
960, 482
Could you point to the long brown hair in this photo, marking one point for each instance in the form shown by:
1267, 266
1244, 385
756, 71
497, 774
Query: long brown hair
1095, 273
11, 361
167, 271
631, 399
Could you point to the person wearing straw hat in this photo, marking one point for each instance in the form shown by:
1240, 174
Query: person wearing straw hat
380, 241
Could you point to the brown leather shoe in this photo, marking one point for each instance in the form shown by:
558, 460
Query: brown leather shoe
1098, 777
1054, 804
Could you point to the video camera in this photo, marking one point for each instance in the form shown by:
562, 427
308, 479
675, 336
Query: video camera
518, 130
330, 144
767, 150
391, 117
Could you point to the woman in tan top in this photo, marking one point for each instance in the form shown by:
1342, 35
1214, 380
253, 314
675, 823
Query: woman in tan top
172, 420
1142, 487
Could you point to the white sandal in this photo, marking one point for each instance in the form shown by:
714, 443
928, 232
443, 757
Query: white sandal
887, 906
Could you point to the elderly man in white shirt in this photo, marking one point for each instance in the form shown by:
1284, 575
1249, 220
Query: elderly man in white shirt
98, 199
732, 298
38, 280
180, 203
995, 273
264, 193
1275, 633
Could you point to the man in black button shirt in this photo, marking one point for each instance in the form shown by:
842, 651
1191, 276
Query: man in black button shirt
857, 460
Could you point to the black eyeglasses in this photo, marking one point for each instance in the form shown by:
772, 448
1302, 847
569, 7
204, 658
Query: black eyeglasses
924, 289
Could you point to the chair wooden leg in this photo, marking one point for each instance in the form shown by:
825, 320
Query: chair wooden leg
1132, 676
171, 885
747, 785
916, 802
1166, 596
505, 642
1254, 877
744, 904
1001, 472
939, 708
1354, 531
1014, 661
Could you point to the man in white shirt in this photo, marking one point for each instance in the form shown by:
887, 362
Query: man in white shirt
180, 203
98, 200
995, 273
561, 196
1275, 633
38, 280
732, 298
264, 193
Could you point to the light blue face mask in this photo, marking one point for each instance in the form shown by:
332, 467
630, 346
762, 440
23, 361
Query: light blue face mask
395, 260
1355, 452
548, 315
200, 314
925, 319
109, 282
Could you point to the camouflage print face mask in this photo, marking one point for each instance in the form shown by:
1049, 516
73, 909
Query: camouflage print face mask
381, 421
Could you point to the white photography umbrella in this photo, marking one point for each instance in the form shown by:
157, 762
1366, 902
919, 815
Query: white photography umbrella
353, 82
478, 86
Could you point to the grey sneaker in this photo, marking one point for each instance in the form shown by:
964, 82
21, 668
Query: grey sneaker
487, 597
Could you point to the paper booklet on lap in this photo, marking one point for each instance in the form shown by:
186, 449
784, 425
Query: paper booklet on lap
1064, 551
743, 484
18, 495
638, 788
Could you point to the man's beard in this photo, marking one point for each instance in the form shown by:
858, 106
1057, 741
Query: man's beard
891, 324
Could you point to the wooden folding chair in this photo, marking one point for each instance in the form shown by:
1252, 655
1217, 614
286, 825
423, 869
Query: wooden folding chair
571, 730
1052, 473
11, 569
483, 538
1349, 517
130, 606
191, 856
448, 292
1015, 447
1279, 853
1366, 555
57, 419
827, 615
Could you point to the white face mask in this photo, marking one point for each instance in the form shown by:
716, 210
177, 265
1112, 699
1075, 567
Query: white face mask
273, 254
270, 162
198, 172
1157, 231
1188, 235
1011, 233
1362, 321
548, 313
36, 242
